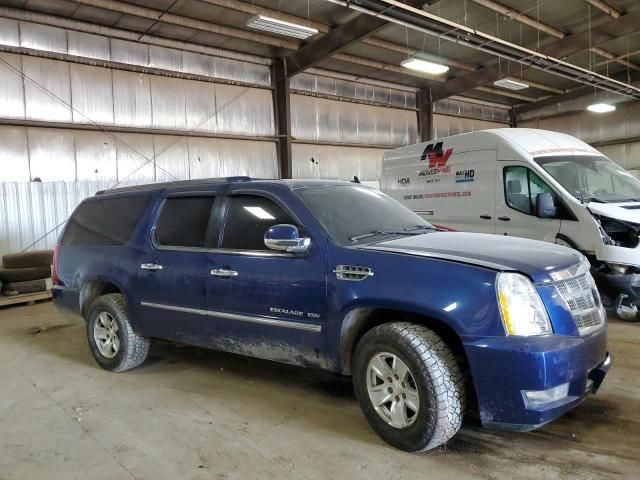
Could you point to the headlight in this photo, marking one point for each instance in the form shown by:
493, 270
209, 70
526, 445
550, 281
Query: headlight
522, 310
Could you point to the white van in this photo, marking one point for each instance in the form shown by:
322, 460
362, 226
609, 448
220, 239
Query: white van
529, 183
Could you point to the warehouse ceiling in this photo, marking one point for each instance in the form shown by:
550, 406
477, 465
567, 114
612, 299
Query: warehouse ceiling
602, 37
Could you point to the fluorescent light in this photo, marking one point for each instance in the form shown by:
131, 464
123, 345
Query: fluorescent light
260, 213
425, 66
280, 27
601, 107
510, 84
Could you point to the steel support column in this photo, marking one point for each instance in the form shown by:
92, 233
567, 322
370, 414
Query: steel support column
425, 114
282, 112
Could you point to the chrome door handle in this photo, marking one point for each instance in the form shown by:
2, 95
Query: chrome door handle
151, 266
222, 272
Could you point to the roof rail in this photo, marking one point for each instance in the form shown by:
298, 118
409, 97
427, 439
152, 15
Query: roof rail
178, 183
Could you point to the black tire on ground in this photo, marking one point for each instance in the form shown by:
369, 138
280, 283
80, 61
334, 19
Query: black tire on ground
37, 258
24, 274
133, 349
30, 286
437, 377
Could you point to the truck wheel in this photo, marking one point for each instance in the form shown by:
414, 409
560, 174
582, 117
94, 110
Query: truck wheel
409, 386
112, 340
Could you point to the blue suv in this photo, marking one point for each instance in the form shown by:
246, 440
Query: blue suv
339, 276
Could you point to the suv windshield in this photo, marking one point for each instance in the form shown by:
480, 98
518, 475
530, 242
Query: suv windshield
592, 178
357, 214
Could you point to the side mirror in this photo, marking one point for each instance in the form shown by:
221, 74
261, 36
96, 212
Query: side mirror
285, 238
545, 206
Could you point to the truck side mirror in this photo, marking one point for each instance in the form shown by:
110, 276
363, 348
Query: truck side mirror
285, 238
545, 206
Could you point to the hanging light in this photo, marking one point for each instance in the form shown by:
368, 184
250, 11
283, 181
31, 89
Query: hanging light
425, 66
601, 107
281, 27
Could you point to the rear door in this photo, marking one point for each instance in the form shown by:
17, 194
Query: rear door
516, 204
172, 275
267, 303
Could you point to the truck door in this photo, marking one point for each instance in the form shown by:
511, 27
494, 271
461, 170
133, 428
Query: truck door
267, 303
172, 273
518, 187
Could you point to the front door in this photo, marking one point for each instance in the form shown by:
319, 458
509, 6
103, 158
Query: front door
173, 275
267, 304
516, 204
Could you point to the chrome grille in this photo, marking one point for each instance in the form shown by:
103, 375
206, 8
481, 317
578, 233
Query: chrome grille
581, 296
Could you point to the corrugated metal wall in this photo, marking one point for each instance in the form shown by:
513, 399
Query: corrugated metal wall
156, 114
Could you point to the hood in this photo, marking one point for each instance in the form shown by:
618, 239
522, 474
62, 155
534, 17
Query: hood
627, 211
531, 257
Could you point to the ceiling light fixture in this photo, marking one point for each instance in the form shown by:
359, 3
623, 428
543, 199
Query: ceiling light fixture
424, 66
601, 107
280, 27
510, 84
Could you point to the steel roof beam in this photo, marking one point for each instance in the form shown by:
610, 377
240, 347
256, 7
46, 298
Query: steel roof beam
420, 20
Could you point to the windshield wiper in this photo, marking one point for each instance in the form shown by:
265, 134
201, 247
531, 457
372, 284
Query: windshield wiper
374, 233
420, 227
592, 199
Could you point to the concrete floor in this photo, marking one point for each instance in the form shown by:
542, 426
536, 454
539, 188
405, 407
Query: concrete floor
195, 414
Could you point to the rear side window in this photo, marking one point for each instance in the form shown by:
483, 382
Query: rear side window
184, 221
248, 219
105, 221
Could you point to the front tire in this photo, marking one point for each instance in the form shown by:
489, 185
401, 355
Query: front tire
112, 340
409, 386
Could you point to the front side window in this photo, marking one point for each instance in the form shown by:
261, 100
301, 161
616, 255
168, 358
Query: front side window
248, 218
184, 221
521, 187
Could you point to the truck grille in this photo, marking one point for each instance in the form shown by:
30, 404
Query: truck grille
583, 300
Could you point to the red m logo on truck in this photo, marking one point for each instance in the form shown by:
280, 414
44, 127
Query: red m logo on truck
437, 157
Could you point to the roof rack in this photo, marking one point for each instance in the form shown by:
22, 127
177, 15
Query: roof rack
178, 183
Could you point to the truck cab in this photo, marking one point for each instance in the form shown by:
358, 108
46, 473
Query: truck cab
339, 276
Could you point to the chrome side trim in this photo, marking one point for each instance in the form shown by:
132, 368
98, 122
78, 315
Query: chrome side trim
235, 316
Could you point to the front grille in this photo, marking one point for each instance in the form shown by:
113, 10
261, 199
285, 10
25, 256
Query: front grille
581, 296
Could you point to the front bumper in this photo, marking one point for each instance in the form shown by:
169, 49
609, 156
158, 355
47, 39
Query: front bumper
503, 368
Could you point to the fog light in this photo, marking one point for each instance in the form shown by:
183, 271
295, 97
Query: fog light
542, 397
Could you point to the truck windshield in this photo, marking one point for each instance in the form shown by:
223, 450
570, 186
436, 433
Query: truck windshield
353, 215
592, 178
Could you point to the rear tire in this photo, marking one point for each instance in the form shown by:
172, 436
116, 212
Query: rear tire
112, 340
428, 390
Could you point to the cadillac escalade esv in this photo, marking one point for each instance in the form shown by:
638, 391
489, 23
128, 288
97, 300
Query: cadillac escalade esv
339, 276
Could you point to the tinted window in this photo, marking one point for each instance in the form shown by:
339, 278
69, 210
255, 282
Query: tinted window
184, 221
522, 186
248, 218
105, 221
357, 214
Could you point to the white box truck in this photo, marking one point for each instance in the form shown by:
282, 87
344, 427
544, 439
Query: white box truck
529, 183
